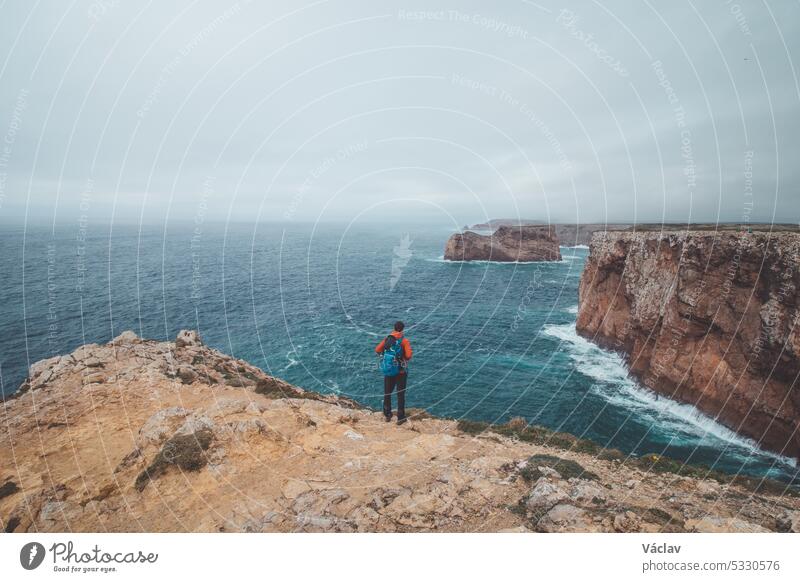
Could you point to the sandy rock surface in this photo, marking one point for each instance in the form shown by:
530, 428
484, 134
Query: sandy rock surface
119, 437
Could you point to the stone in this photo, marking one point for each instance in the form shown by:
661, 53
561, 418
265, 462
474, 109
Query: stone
566, 518
707, 487
187, 375
161, 425
627, 522
126, 337
37, 368
546, 494
794, 520
196, 423
53, 510
712, 524
247, 426
187, 338
587, 492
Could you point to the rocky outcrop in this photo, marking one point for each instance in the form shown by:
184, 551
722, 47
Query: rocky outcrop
139, 435
506, 244
704, 317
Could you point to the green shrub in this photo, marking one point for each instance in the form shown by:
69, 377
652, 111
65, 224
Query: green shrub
472, 426
187, 452
565, 467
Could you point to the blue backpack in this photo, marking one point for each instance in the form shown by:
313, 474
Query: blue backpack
392, 358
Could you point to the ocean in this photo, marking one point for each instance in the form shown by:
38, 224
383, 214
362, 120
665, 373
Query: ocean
308, 303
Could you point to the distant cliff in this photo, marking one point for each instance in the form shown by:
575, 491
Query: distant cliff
581, 234
506, 244
568, 234
140, 435
704, 317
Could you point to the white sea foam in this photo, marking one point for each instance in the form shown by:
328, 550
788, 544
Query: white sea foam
584, 247
573, 309
292, 361
618, 388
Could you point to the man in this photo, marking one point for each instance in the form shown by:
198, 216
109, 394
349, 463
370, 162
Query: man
395, 352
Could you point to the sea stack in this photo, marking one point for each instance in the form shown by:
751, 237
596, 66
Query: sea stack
506, 244
704, 317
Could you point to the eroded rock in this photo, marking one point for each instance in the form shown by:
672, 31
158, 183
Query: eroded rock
506, 244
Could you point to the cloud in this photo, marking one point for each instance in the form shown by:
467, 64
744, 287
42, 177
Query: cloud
466, 110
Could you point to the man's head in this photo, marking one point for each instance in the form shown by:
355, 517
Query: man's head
399, 325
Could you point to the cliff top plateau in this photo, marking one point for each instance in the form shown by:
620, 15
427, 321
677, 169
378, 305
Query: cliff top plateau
140, 435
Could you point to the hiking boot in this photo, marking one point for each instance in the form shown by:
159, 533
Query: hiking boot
387, 418
402, 420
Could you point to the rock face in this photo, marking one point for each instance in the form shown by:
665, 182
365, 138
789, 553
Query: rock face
506, 244
139, 435
581, 234
706, 318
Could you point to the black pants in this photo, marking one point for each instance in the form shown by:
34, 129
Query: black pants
389, 383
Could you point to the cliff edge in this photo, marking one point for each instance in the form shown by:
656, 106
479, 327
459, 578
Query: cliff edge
707, 318
139, 435
506, 244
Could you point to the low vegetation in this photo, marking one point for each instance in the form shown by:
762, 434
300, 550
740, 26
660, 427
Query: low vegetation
566, 468
187, 452
519, 429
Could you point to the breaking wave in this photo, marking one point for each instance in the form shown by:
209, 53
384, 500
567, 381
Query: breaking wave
615, 385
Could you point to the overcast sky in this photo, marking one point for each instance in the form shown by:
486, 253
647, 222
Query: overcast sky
365, 110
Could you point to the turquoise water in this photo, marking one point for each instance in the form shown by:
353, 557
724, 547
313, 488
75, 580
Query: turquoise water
308, 304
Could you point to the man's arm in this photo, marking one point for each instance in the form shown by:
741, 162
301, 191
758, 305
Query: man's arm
407, 352
379, 347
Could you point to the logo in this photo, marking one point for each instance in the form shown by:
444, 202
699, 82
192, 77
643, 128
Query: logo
31, 555
402, 254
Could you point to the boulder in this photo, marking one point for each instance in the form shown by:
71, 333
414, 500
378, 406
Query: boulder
187, 338
161, 425
546, 493
126, 337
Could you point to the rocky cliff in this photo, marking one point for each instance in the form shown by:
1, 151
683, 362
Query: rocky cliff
707, 318
506, 244
139, 435
581, 234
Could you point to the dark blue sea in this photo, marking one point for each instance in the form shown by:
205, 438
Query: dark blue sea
309, 303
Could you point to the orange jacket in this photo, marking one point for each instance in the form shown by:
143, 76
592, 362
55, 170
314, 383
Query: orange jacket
407, 352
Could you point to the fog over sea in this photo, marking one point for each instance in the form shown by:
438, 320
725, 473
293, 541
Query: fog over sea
308, 303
